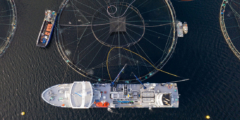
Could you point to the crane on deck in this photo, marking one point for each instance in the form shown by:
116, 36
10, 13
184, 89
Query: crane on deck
112, 84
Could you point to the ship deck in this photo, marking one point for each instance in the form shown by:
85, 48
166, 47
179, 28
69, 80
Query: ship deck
58, 95
136, 96
46, 29
42, 33
84, 95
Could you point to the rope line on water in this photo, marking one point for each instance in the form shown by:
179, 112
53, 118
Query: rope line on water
110, 14
180, 80
139, 56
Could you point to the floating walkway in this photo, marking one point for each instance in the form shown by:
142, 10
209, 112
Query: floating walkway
11, 29
224, 28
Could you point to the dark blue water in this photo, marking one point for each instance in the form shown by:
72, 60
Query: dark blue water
202, 55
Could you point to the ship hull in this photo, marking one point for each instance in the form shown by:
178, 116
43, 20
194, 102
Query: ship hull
84, 95
46, 31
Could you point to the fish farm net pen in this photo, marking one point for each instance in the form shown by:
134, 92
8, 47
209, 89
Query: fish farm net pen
86, 32
230, 24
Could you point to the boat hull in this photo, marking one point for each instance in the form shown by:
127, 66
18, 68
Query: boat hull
47, 28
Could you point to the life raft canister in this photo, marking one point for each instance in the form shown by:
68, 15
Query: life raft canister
102, 104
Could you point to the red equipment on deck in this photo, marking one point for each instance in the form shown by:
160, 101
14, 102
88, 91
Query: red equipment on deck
102, 104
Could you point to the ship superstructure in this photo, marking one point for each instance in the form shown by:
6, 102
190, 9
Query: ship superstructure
179, 29
84, 95
46, 29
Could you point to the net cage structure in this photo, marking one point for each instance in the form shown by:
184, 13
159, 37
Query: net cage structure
230, 24
8, 23
97, 38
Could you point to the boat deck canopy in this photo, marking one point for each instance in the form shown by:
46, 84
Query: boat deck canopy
81, 94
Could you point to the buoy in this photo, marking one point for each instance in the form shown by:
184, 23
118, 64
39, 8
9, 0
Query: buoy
63, 105
207, 117
22, 113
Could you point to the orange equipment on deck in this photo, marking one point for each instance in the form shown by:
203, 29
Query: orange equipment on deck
102, 104
47, 33
49, 27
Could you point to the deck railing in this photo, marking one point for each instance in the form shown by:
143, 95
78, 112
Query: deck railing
224, 30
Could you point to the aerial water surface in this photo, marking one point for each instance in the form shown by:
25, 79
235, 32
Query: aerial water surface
202, 55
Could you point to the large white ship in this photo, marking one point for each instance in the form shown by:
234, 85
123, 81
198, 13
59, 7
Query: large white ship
84, 95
